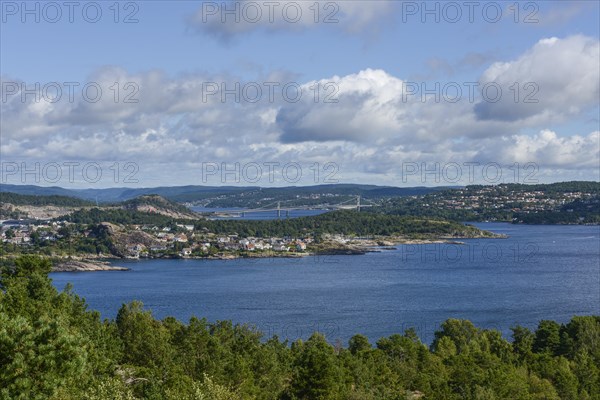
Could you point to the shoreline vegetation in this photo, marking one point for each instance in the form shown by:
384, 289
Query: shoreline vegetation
53, 347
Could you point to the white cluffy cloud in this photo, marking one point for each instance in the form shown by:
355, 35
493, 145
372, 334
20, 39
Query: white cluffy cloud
557, 78
358, 107
547, 148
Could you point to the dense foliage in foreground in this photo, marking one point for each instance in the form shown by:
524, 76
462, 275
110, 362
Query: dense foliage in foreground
51, 347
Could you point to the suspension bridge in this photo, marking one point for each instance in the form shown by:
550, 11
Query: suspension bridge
355, 203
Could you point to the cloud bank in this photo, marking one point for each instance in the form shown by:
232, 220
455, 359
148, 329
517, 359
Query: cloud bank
364, 122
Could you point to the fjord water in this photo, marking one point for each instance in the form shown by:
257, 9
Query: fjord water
539, 272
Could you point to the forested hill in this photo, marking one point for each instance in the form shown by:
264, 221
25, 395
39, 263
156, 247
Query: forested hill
552, 188
37, 200
52, 347
556, 203
348, 222
149, 204
344, 222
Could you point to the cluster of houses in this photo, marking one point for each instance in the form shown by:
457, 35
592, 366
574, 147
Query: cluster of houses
492, 198
21, 232
182, 240
190, 243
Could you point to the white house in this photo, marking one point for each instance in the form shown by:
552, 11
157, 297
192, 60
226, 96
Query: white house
280, 247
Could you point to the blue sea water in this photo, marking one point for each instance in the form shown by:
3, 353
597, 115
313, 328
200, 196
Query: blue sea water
539, 272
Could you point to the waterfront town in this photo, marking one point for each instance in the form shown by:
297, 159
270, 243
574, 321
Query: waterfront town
150, 241
503, 198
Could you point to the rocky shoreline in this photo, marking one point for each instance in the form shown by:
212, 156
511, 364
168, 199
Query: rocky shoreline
85, 266
352, 247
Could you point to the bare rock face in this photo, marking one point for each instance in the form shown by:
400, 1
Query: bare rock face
85, 266
36, 212
121, 238
110, 228
155, 204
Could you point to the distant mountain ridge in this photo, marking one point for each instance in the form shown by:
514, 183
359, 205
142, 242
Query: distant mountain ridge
192, 193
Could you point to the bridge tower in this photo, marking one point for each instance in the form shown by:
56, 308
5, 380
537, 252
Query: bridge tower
358, 203
278, 209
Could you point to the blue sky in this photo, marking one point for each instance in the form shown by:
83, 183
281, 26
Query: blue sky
370, 54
